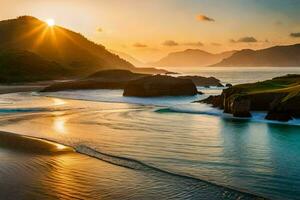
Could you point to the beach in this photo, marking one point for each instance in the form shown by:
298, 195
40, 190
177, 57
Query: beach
37, 169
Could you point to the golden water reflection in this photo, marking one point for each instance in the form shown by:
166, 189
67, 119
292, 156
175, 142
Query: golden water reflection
59, 122
58, 102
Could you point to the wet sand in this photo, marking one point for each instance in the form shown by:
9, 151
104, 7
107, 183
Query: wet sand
32, 168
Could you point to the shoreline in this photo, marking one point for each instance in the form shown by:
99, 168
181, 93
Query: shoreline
28, 144
41, 146
6, 88
161, 107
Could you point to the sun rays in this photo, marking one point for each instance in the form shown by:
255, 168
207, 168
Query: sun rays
50, 22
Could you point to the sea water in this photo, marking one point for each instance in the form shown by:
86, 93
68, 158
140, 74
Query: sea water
170, 135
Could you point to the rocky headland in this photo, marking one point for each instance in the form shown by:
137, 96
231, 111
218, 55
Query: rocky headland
279, 97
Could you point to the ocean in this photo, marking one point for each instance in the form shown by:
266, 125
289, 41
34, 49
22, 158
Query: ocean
185, 150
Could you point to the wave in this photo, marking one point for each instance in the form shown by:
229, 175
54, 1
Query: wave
21, 110
192, 109
139, 165
204, 109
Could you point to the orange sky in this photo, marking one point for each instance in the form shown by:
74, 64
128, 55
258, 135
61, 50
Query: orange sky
148, 30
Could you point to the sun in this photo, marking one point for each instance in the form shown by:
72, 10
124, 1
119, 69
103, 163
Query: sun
50, 22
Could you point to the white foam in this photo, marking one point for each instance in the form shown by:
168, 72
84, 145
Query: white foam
175, 104
208, 110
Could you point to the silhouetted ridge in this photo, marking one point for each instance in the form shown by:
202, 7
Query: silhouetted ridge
70, 49
277, 56
24, 66
191, 58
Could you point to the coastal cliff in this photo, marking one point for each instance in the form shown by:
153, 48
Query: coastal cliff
279, 97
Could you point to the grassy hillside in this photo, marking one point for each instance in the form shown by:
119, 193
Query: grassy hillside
289, 84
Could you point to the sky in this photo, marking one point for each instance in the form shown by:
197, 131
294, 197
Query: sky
150, 29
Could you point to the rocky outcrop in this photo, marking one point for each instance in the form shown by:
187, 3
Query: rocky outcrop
279, 116
107, 79
203, 81
239, 106
279, 97
281, 110
215, 101
153, 86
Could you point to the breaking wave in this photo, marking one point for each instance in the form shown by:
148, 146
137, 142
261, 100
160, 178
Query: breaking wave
205, 109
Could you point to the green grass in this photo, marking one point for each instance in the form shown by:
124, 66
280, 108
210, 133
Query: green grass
289, 84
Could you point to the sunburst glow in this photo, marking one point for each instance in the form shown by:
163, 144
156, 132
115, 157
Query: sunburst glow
50, 22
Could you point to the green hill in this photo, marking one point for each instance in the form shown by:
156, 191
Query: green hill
69, 49
24, 66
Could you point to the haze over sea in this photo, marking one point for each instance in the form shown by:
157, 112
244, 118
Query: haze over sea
166, 147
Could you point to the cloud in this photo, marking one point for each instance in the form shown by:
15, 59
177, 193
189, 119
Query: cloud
139, 45
295, 35
195, 44
245, 40
99, 30
202, 18
170, 43
216, 44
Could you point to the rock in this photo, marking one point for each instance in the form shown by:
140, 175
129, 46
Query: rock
284, 110
279, 116
215, 101
160, 85
228, 85
240, 107
200, 92
203, 81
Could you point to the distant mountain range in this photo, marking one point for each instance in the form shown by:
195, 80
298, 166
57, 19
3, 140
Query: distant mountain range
191, 58
277, 56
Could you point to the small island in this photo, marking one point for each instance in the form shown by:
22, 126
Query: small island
149, 85
279, 97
